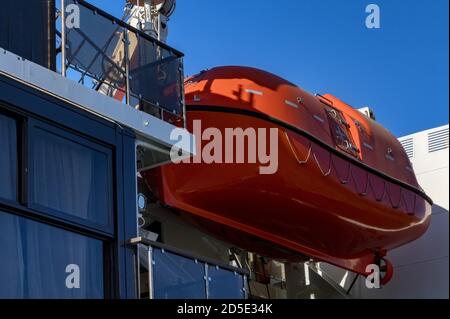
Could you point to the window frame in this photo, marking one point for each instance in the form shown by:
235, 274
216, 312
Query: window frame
20, 124
23, 207
32, 126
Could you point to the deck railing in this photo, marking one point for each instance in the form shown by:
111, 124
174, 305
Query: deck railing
167, 273
118, 60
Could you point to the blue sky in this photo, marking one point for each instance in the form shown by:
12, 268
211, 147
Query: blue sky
400, 70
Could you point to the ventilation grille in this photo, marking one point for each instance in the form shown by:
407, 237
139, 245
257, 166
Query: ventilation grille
438, 140
408, 145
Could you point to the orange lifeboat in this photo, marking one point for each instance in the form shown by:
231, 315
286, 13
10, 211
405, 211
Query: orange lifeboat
344, 191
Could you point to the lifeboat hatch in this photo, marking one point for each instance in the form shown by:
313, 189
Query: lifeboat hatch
340, 131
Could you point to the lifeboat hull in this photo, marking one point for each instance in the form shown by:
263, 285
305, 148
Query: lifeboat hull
317, 204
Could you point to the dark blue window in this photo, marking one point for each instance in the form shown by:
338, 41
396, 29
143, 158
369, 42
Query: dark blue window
72, 176
42, 261
8, 158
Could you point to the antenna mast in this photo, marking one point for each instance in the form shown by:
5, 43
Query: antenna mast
151, 16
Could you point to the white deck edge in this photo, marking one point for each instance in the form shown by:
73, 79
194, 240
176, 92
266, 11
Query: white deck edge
147, 127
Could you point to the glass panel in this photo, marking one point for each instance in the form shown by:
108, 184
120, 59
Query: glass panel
225, 284
8, 158
41, 261
155, 75
176, 277
71, 178
144, 279
97, 48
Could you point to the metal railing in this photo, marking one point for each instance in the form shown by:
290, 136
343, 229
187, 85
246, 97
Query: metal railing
167, 273
118, 60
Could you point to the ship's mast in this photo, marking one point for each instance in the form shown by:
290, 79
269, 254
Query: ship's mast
151, 16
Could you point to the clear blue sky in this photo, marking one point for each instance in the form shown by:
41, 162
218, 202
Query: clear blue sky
400, 70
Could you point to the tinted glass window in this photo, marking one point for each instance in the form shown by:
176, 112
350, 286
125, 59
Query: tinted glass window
71, 176
8, 158
41, 261
176, 277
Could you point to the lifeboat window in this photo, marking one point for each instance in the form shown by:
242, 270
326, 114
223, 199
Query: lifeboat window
340, 130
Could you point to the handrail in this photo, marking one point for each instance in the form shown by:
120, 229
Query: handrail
324, 98
129, 27
88, 57
141, 240
63, 39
